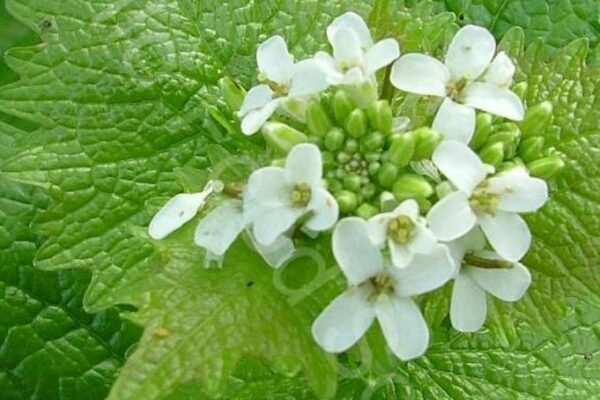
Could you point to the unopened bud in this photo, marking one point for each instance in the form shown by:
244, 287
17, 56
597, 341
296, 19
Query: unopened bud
520, 89
368, 190
424, 204
374, 168
334, 139
351, 146
531, 148
509, 134
426, 141
411, 186
537, 119
328, 159
352, 182
387, 201
402, 149
317, 119
386, 176
278, 162
546, 167
347, 201
483, 127
380, 116
492, 154
232, 93
356, 123
366, 211
334, 185
342, 106
373, 141
282, 137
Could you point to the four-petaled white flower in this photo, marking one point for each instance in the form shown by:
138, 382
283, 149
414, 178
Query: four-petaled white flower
404, 231
494, 203
179, 210
276, 198
468, 79
507, 281
379, 291
356, 57
286, 84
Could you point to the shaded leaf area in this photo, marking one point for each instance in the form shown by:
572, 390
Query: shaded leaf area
49, 347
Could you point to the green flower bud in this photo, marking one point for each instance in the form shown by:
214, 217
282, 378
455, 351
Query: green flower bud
282, 137
340, 173
402, 149
373, 141
537, 119
278, 162
232, 93
373, 167
351, 146
483, 128
317, 119
342, 106
316, 140
356, 123
380, 116
343, 158
387, 201
509, 134
347, 201
387, 175
426, 141
424, 204
352, 182
334, 185
492, 154
443, 189
411, 186
520, 89
366, 211
368, 190
546, 167
372, 157
531, 148
328, 159
334, 139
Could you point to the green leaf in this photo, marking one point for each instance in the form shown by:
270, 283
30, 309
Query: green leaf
49, 347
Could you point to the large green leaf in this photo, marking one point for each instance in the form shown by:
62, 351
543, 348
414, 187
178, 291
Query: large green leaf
125, 98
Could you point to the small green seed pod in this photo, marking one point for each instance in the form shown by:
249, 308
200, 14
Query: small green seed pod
531, 148
402, 149
546, 167
352, 182
347, 201
342, 106
387, 174
373, 141
380, 116
412, 186
492, 154
537, 119
282, 137
334, 139
356, 123
317, 119
483, 128
426, 141
366, 210
232, 93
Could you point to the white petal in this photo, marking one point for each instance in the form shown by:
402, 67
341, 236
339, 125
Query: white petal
304, 165
377, 228
325, 211
274, 60
347, 50
353, 22
344, 321
492, 99
518, 191
176, 212
269, 187
424, 241
382, 54
455, 121
400, 253
425, 273
420, 74
460, 165
508, 284
403, 326
277, 253
409, 208
468, 307
327, 64
219, 229
308, 79
256, 98
356, 255
451, 217
507, 233
470, 52
274, 222
501, 71
255, 119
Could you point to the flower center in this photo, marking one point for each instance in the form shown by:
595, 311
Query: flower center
456, 88
382, 284
301, 195
401, 229
279, 90
484, 200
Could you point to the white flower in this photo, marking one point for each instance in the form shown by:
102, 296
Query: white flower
219, 229
494, 203
469, 79
179, 210
381, 292
468, 307
285, 82
404, 232
356, 58
276, 198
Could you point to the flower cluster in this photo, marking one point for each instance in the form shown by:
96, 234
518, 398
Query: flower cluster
409, 208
